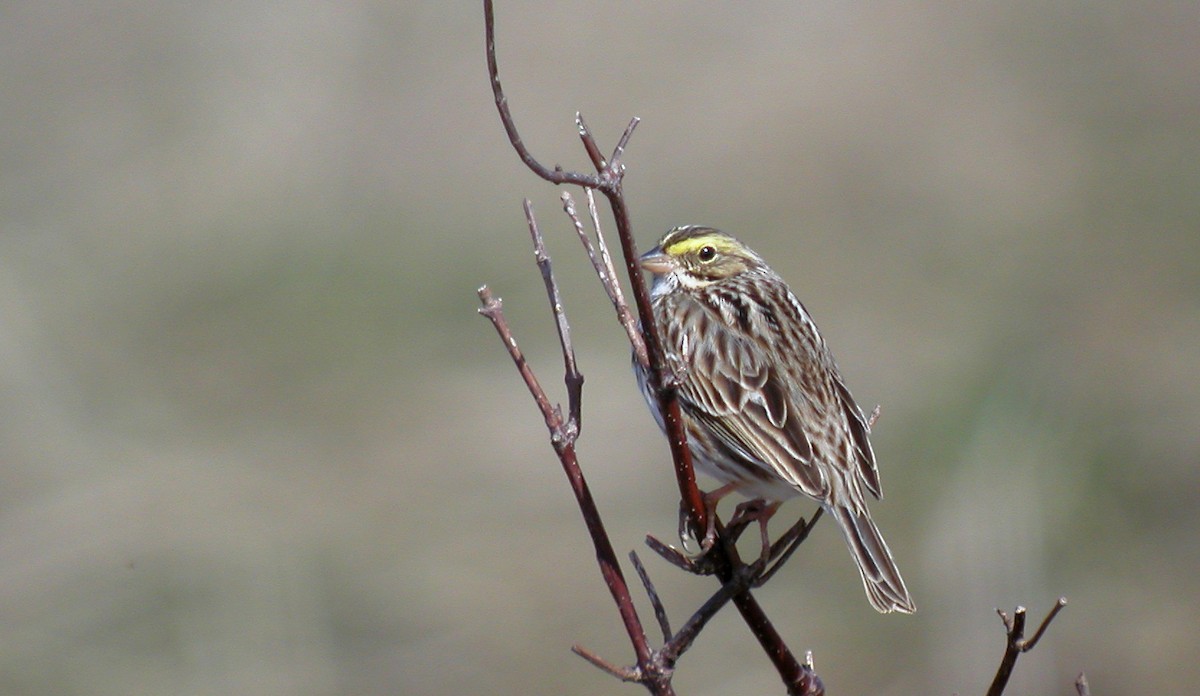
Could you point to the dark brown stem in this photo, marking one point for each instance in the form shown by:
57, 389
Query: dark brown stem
1017, 644
660, 612
668, 398
589, 143
564, 446
799, 679
493, 310
557, 176
680, 642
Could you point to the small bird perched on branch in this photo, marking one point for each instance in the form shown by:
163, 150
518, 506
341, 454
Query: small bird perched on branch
765, 409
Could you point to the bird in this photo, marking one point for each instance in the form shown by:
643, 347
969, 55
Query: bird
765, 408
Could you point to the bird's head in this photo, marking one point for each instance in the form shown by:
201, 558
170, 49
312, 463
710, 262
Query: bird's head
694, 257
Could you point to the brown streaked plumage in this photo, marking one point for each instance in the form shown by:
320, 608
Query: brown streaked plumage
763, 403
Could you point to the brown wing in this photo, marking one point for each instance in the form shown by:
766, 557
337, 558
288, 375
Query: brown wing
729, 386
865, 459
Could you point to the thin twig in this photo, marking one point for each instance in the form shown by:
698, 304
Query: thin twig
603, 266
493, 310
572, 377
626, 317
1017, 644
589, 143
557, 176
680, 642
676, 557
622, 673
1027, 645
615, 161
660, 612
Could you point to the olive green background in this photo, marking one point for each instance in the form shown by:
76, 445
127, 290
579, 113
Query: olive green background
255, 440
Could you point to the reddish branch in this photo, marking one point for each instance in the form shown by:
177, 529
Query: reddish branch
653, 668
563, 432
607, 180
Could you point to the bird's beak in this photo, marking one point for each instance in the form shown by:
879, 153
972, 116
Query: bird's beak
657, 262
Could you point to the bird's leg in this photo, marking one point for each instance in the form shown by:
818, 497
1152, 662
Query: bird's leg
787, 544
761, 511
711, 499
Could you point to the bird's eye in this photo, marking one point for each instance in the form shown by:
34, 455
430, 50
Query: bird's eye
707, 254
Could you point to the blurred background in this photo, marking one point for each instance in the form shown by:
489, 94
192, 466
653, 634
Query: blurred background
255, 438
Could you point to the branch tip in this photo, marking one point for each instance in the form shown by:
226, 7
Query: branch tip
1016, 643
623, 673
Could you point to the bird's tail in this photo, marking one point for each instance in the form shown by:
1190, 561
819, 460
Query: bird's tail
881, 578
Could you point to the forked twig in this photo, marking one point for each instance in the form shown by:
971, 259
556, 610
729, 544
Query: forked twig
556, 175
608, 181
572, 377
651, 670
1017, 643
562, 437
603, 265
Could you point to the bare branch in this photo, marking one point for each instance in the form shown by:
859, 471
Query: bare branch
589, 143
603, 265
1027, 645
660, 612
610, 569
493, 310
677, 558
556, 175
615, 161
623, 673
797, 678
573, 379
1017, 644
626, 317
609, 182
680, 642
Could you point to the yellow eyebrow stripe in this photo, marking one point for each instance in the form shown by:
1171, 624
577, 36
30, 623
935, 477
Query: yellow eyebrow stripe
693, 244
